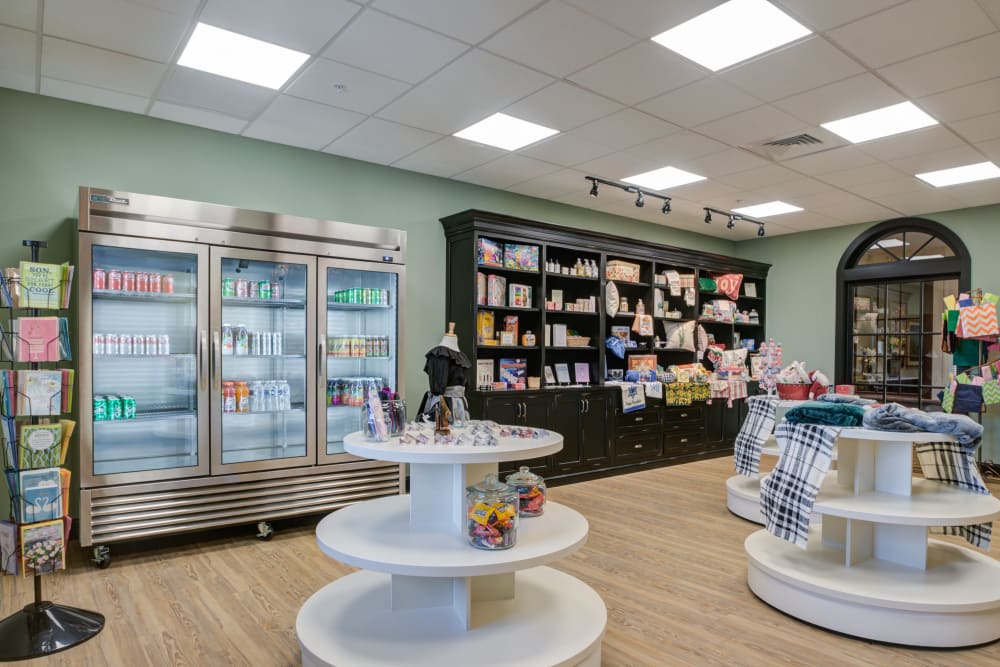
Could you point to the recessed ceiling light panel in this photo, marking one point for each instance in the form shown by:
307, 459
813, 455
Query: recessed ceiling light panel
970, 173
731, 33
506, 132
883, 122
663, 178
239, 57
768, 209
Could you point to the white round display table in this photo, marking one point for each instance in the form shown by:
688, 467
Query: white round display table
870, 570
428, 597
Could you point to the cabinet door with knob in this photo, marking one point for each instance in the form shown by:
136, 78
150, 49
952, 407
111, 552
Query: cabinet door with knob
595, 430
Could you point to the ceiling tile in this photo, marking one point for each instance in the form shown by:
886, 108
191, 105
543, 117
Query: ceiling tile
638, 73
980, 128
469, 20
823, 14
958, 65
625, 128
110, 99
362, 91
302, 123
19, 13
199, 117
562, 106
448, 157
834, 159
728, 161
757, 178
920, 203
932, 161
872, 173
99, 68
552, 185
115, 25
876, 190
645, 18
763, 122
468, 90
393, 48
849, 97
704, 191
977, 194
17, 59
377, 140
567, 149
924, 140
676, 150
506, 171
557, 39
180, 7
964, 102
303, 25
699, 102
191, 88
802, 66
991, 149
801, 186
882, 39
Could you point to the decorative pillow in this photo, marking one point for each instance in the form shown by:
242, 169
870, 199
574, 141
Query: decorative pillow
611, 299
680, 336
729, 284
706, 285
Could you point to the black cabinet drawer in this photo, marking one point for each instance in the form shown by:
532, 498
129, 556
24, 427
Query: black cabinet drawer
645, 417
643, 446
692, 427
690, 413
683, 443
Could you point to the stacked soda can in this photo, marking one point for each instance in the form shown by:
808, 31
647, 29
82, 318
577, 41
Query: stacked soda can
243, 288
123, 280
131, 344
114, 407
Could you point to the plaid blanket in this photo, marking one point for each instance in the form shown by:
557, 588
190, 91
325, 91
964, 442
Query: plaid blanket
952, 463
758, 424
788, 494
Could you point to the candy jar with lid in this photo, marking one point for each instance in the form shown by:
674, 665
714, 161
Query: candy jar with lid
491, 508
530, 491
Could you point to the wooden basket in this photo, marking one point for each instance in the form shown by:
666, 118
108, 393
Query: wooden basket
577, 341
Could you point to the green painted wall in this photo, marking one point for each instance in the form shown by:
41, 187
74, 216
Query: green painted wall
802, 285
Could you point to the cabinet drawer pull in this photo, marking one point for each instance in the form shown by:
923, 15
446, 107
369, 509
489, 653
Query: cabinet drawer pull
684, 439
636, 446
638, 419
683, 415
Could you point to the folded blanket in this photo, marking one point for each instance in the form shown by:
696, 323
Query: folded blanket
826, 414
895, 417
845, 398
759, 424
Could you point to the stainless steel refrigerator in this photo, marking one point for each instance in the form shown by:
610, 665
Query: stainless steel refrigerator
222, 356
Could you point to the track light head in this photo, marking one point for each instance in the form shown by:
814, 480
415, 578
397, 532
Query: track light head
708, 216
666, 206
593, 189
732, 222
639, 201
760, 230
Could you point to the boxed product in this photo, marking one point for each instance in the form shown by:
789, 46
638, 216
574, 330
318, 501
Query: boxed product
514, 372
510, 326
522, 257
496, 291
484, 328
480, 288
642, 362
519, 296
625, 272
484, 374
489, 253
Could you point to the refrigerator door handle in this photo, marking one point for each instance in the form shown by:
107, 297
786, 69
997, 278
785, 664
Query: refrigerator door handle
203, 360
216, 362
320, 359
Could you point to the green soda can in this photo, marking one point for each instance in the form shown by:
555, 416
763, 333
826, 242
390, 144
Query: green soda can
114, 408
100, 409
128, 407
265, 289
228, 287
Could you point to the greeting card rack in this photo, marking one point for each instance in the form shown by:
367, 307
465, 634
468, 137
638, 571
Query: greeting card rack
42, 627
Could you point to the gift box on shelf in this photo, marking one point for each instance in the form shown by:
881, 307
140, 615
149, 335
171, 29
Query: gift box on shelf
625, 272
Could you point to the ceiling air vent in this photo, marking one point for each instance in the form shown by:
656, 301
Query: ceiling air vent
797, 140
787, 146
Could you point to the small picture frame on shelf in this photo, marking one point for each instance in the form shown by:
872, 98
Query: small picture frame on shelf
756, 365
562, 373
550, 376
507, 338
581, 370
750, 289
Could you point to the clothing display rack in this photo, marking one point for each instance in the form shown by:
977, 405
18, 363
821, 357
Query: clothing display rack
42, 627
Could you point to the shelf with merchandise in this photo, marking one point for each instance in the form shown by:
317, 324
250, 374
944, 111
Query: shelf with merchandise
144, 297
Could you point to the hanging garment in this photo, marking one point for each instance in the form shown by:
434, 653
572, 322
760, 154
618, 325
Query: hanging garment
789, 492
950, 463
757, 426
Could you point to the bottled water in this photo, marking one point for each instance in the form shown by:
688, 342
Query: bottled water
285, 396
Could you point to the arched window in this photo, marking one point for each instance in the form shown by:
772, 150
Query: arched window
890, 286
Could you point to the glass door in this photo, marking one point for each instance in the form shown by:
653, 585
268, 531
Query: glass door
359, 333
143, 360
264, 360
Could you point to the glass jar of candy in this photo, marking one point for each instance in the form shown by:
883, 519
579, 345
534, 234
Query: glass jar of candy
491, 511
530, 492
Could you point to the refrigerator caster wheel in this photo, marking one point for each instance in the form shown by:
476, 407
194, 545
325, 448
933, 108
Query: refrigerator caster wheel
265, 531
102, 557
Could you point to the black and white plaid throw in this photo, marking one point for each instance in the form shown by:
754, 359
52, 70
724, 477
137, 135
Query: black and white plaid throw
756, 427
788, 494
951, 463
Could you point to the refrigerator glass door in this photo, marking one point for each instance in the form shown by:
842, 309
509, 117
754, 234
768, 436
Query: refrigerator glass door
144, 313
263, 345
361, 331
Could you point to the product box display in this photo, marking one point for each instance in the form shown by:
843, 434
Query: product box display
489, 253
485, 328
520, 296
510, 326
622, 271
514, 372
520, 257
496, 291
480, 288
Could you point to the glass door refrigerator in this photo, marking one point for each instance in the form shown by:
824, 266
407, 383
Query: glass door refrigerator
359, 333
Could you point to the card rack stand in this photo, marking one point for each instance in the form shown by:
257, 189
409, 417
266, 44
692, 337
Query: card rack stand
42, 627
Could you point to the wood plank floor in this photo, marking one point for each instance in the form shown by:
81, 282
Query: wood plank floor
663, 552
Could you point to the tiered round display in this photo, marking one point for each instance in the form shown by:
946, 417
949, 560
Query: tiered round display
426, 596
870, 570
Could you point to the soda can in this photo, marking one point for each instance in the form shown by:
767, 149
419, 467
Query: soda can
114, 408
142, 282
98, 346
255, 344
155, 283
385, 297
138, 344
114, 279
100, 409
275, 291
151, 347
128, 407
276, 344
168, 283
264, 288
111, 344
255, 290
228, 287
125, 344
163, 344
128, 281
242, 288
100, 279
265, 343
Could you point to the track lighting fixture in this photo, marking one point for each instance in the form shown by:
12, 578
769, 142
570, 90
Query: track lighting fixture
732, 222
734, 218
640, 194
708, 217
760, 230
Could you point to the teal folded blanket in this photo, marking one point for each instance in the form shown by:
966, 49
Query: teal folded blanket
827, 414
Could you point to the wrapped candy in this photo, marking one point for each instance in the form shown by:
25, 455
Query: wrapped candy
491, 509
530, 491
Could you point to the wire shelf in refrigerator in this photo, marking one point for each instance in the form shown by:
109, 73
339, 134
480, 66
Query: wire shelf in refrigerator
358, 306
235, 301
157, 297
158, 415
